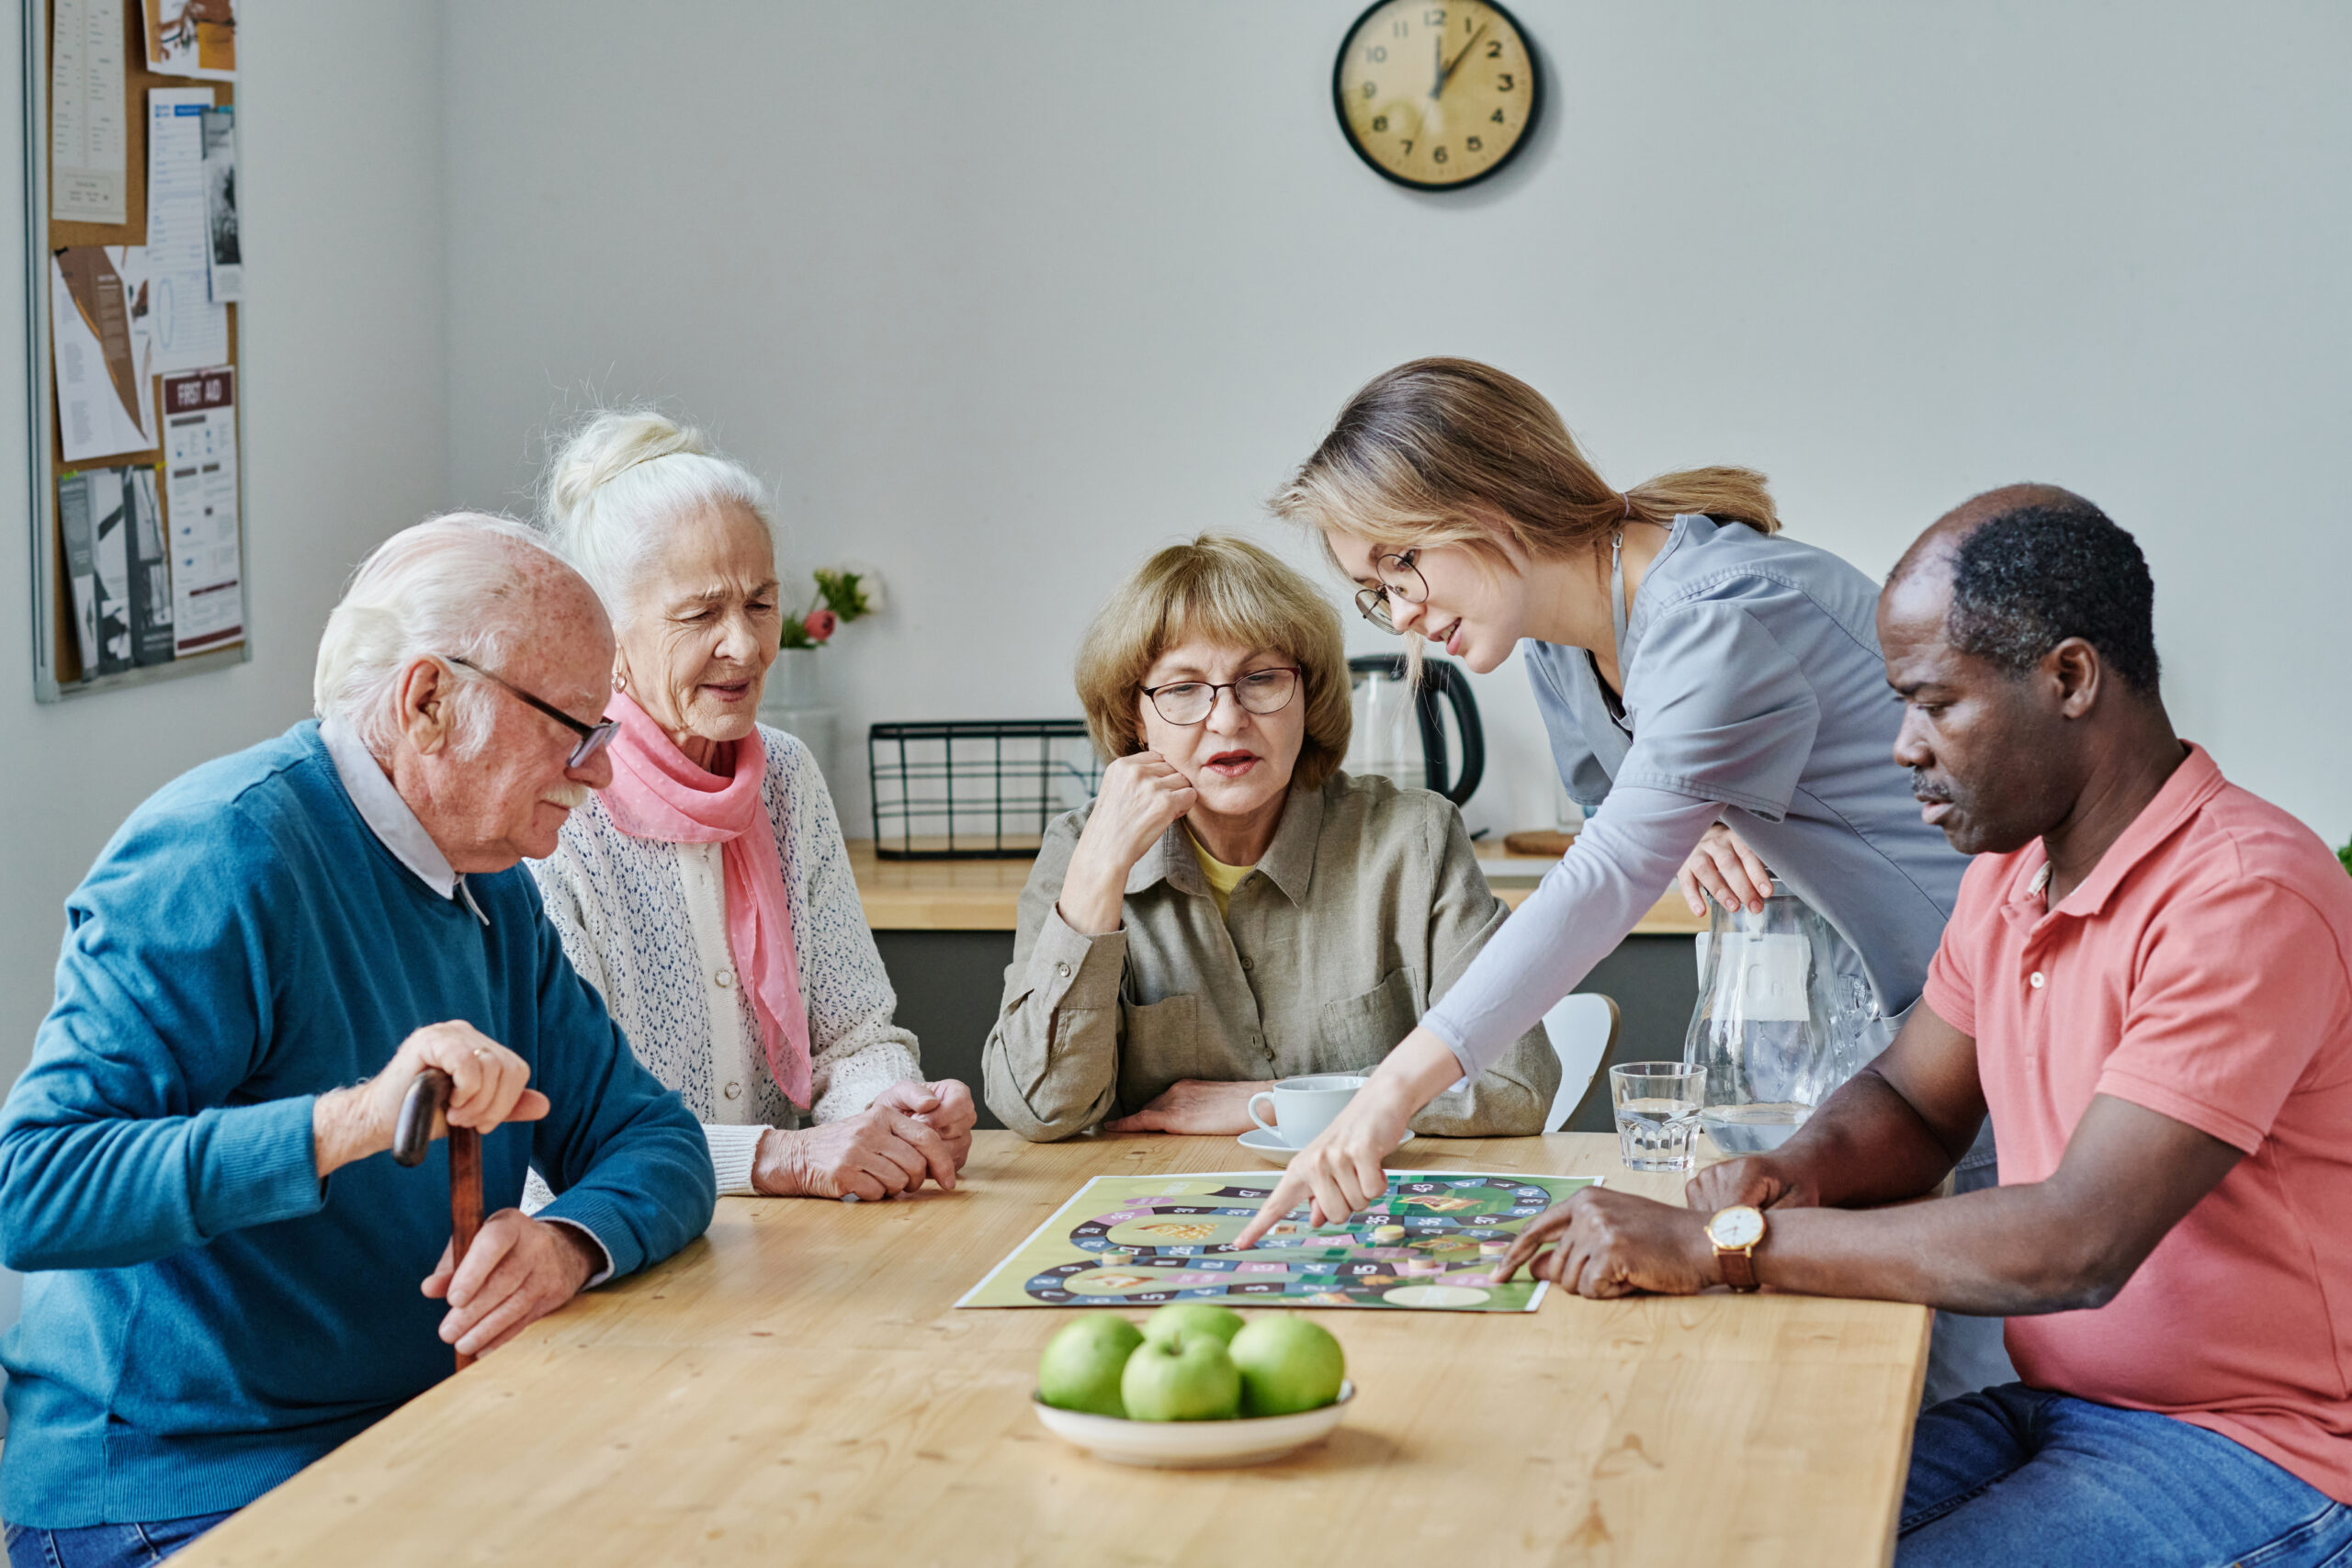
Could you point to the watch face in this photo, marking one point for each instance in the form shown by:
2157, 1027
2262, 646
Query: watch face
1737, 1227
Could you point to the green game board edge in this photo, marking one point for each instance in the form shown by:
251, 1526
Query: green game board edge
1543, 1287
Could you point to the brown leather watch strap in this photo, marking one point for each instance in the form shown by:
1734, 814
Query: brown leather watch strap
1738, 1265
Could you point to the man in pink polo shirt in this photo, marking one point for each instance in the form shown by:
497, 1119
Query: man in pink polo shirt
2147, 983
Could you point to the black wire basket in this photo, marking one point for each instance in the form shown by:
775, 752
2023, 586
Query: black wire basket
975, 789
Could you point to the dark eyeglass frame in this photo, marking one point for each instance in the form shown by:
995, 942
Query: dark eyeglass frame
1372, 604
1297, 679
594, 738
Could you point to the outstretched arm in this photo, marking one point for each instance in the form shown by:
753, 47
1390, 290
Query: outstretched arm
2061, 1245
1891, 1132
1625, 857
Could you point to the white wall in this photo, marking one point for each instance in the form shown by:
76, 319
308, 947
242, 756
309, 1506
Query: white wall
345, 440
1003, 296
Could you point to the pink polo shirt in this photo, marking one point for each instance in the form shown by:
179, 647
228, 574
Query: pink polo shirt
2204, 972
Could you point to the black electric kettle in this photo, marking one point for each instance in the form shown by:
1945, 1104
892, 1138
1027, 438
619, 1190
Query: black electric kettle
1399, 731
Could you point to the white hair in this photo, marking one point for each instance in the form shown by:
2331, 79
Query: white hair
620, 483
443, 589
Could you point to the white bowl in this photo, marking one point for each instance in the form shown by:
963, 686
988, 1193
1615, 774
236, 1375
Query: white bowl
1193, 1445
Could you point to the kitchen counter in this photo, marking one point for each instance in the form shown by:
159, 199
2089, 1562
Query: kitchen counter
984, 895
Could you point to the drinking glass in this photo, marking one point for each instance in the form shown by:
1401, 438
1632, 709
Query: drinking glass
1657, 1113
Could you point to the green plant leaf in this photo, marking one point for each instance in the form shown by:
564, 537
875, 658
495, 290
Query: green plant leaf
843, 593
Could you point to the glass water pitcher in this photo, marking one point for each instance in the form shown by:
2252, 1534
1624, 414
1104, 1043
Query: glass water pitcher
1784, 1017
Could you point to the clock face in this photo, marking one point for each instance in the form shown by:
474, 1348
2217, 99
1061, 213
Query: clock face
1433, 94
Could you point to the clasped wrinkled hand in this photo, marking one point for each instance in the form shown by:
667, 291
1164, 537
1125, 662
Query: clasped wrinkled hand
912, 1132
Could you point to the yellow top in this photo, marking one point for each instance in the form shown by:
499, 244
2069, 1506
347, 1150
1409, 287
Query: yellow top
1223, 878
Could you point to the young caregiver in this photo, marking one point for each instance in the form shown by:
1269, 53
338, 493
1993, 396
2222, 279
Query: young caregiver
1714, 694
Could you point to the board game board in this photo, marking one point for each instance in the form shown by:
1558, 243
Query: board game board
1433, 1243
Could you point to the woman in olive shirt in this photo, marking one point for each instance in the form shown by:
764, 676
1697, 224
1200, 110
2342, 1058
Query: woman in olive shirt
1231, 909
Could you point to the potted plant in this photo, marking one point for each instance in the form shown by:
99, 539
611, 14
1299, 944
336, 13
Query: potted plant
845, 593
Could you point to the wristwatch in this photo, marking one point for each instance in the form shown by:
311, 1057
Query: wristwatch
1736, 1232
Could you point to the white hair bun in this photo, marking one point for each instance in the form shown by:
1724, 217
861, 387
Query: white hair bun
608, 506
608, 447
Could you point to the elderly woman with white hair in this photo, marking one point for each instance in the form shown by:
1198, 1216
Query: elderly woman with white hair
706, 892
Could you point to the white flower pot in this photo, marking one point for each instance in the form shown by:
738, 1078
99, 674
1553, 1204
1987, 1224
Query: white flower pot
794, 680
792, 700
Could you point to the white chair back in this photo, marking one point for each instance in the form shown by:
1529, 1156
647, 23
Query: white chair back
1583, 1030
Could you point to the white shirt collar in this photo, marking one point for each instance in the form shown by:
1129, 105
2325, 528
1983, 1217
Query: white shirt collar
389, 816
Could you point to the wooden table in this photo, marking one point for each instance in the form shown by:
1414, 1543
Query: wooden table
984, 895
797, 1387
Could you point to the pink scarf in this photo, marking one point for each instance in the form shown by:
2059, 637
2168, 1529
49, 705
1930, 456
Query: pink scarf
657, 793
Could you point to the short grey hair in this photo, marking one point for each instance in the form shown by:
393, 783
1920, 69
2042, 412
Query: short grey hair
443, 589
618, 483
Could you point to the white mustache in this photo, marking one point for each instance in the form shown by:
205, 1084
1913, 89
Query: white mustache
570, 795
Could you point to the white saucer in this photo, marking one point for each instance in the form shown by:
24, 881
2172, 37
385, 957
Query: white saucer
1268, 1146
1192, 1445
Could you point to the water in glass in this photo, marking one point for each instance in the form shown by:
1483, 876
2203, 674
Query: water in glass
1657, 1134
1656, 1106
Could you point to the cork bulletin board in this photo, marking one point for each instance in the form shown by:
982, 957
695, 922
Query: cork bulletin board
106, 621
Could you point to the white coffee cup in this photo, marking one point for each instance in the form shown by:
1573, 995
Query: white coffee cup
1305, 1106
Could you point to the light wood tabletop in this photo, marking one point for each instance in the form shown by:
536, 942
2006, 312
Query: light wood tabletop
984, 895
798, 1387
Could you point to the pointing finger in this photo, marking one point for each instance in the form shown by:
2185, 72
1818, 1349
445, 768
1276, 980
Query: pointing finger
1286, 1197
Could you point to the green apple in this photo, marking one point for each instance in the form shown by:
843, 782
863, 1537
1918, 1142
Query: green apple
1081, 1368
1287, 1364
1180, 1377
1193, 1317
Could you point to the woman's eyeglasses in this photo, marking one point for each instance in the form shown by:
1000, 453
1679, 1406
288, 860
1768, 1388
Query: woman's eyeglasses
594, 738
1191, 702
1400, 579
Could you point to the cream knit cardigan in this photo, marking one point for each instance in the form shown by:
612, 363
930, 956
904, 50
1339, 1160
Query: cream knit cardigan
645, 922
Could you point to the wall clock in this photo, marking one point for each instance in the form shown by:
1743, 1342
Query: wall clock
1437, 96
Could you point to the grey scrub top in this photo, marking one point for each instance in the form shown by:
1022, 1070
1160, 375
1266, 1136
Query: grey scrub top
1754, 691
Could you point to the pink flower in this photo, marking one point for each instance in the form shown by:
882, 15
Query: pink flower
820, 625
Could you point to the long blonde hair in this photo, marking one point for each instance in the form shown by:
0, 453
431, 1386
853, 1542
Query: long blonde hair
1454, 452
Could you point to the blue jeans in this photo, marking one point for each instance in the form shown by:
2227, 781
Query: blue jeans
105, 1546
2018, 1476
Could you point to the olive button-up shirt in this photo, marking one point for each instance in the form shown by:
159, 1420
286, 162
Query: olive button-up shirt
1365, 907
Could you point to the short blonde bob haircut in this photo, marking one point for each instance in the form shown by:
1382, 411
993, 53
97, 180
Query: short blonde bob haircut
1227, 591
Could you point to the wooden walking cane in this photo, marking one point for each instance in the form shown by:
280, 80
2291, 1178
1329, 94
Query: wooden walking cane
428, 1097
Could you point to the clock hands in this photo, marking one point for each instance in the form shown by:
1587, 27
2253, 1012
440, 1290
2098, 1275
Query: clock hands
1445, 73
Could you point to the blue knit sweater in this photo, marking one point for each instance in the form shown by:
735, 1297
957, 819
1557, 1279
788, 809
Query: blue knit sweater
203, 1317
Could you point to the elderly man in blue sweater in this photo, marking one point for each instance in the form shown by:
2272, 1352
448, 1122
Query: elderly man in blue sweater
228, 1275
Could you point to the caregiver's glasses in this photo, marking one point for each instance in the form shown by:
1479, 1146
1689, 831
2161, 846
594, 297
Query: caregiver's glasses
1401, 580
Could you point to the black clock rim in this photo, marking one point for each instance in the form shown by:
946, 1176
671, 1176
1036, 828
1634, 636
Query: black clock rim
1534, 103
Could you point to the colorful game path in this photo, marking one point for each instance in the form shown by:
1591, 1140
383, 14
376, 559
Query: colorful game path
1433, 1243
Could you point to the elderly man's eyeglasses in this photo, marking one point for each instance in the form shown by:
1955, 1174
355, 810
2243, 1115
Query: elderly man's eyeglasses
594, 738
1191, 702
1400, 579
